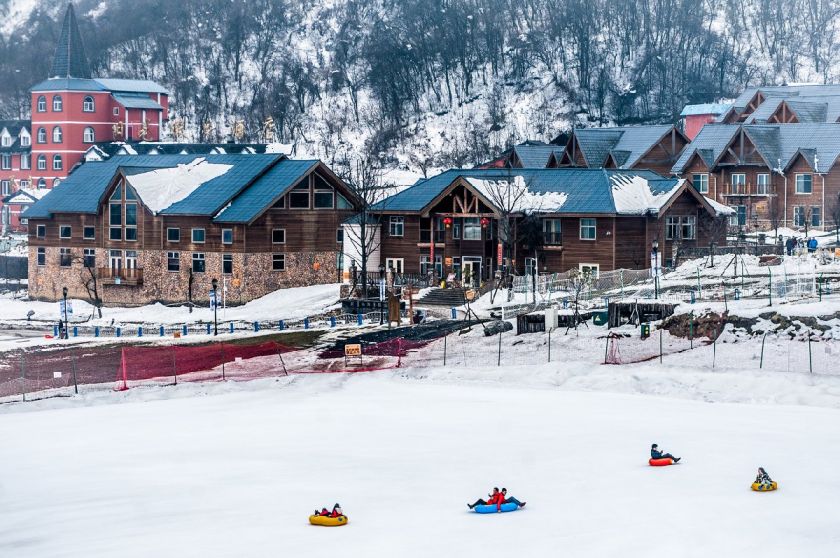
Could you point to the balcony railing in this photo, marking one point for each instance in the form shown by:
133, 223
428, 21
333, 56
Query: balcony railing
747, 189
552, 238
120, 276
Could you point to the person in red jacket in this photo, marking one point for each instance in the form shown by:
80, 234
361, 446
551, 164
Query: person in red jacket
505, 498
336, 512
493, 498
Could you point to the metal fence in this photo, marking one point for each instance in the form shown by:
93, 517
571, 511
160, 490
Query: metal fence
14, 267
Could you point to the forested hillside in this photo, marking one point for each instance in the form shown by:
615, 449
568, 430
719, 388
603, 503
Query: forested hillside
427, 83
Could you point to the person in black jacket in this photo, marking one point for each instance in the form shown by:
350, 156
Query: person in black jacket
763, 477
656, 454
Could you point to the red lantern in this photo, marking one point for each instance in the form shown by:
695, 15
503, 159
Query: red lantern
447, 222
484, 222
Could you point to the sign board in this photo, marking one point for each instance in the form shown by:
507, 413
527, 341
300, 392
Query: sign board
353, 350
61, 312
499, 252
213, 301
656, 264
381, 290
56, 375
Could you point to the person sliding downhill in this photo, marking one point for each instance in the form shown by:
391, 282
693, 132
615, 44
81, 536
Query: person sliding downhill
763, 477
511, 499
656, 454
493, 498
336, 512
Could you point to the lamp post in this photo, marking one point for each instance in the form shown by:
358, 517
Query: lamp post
63, 335
215, 284
655, 246
381, 292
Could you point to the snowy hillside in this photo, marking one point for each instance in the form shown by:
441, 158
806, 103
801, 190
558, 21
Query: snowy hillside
423, 84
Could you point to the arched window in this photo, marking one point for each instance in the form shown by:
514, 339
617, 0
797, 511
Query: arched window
88, 105
42, 104
57, 164
56, 182
42, 162
58, 104
42, 183
57, 135
42, 135
90, 135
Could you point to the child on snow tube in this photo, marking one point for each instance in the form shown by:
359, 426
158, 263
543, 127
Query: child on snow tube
763, 482
336, 512
656, 454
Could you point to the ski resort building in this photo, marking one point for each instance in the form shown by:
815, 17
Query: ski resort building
527, 155
15, 172
785, 104
70, 112
694, 117
654, 148
454, 226
771, 175
135, 229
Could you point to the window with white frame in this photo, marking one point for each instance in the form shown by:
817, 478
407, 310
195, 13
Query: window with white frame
58, 164
472, 228
25, 161
89, 258
173, 261
89, 135
395, 265
227, 264
25, 139
5, 187
551, 232
227, 236
42, 256
42, 162
701, 183
6, 161
739, 181
58, 104
762, 184
173, 234
88, 104
198, 236
672, 228
65, 231
198, 262
278, 262
588, 229
799, 215
590, 268
89, 233
58, 135
816, 216
6, 140
41, 231
396, 226
688, 227
278, 236
65, 257
42, 135
804, 184
42, 104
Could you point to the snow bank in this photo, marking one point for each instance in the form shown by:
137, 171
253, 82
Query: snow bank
162, 188
632, 195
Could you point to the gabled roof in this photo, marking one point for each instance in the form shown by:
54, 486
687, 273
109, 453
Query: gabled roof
131, 85
13, 127
708, 144
582, 190
535, 156
25, 196
69, 59
100, 84
106, 150
626, 144
777, 144
784, 91
705, 108
83, 190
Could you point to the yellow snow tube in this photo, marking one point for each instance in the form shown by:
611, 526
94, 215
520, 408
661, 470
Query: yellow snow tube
328, 521
764, 487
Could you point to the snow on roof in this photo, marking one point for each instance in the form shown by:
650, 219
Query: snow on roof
161, 188
529, 202
632, 195
719, 208
282, 148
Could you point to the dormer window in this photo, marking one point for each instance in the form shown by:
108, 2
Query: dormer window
42, 104
58, 104
6, 141
25, 139
88, 104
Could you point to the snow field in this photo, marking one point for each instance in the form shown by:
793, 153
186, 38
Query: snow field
237, 473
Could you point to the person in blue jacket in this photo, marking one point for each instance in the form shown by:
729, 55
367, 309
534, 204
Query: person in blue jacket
656, 454
812, 244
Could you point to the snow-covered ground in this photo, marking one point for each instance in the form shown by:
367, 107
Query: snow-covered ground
283, 304
234, 469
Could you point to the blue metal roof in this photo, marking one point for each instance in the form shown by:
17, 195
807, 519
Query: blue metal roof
97, 84
627, 144
588, 190
132, 85
82, 191
138, 101
705, 108
265, 191
709, 143
69, 84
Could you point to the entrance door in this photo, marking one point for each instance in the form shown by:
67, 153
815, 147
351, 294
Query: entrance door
131, 259
115, 260
471, 270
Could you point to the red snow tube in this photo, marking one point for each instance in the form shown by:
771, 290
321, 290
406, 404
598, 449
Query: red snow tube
661, 462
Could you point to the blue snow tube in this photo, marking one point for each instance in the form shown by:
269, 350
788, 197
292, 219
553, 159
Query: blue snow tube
492, 508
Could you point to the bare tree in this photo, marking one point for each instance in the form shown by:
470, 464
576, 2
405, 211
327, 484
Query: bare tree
90, 283
579, 280
507, 195
364, 235
713, 229
775, 213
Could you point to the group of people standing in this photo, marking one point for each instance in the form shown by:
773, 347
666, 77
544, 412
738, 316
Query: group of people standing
798, 245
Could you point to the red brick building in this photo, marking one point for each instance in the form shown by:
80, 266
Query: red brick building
71, 111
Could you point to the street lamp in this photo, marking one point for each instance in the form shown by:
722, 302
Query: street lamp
381, 292
215, 283
655, 245
64, 333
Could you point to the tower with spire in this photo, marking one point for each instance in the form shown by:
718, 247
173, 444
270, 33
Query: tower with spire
72, 110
